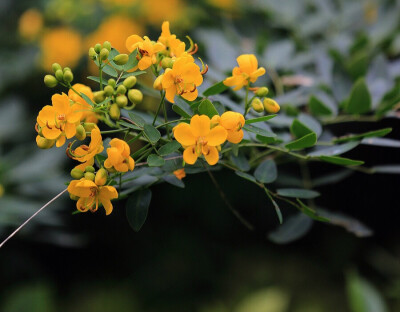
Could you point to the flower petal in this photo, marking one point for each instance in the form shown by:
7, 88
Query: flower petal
200, 125
235, 136
189, 155
183, 134
70, 130
217, 136
248, 63
212, 155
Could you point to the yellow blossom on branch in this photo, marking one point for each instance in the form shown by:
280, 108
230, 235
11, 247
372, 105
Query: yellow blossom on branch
119, 156
84, 153
233, 123
87, 113
147, 50
247, 72
199, 139
175, 47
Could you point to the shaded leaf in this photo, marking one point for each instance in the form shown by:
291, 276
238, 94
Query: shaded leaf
266, 172
97, 79
152, 133
172, 179
360, 98
169, 148
182, 108
137, 207
215, 89
318, 108
297, 193
155, 161
259, 119
246, 176
137, 119
311, 212
370, 134
240, 161
110, 71
259, 131
335, 150
294, 228
341, 161
207, 108
304, 142
298, 129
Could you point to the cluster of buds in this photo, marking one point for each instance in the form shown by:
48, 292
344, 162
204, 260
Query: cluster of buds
261, 102
89, 173
61, 75
100, 51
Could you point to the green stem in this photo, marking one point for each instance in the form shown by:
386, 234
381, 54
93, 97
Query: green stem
159, 107
246, 104
166, 121
139, 151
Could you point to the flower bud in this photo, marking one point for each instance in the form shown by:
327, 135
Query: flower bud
271, 106
80, 133
73, 197
66, 69
44, 143
121, 101
115, 112
108, 90
99, 96
50, 81
89, 169
121, 89
121, 59
104, 54
97, 48
59, 75
68, 76
90, 176
92, 53
130, 82
167, 62
56, 67
112, 82
89, 126
257, 105
261, 92
157, 83
135, 96
77, 173
107, 45
101, 177
215, 121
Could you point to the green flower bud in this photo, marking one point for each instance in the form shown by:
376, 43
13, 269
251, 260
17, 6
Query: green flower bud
108, 90
80, 133
104, 54
112, 82
167, 62
59, 75
92, 53
121, 89
56, 67
130, 82
101, 177
89, 126
50, 81
135, 96
44, 143
68, 76
261, 92
121, 101
107, 45
73, 197
90, 176
158, 83
66, 69
121, 59
99, 96
271, 106
89, 169
257, 105
115, 112
77, 173
97, 48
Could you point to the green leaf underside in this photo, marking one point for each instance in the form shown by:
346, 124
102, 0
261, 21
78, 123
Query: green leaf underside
266, 172
318, 108
137, 207
370, 134
311, 212
260, 119
299, 129
215, 89
182, 108
155, 161
341, 160
259, 131
169, 148
137, 119
128, 125
304, 142
246, 176
297, 193
207, 108
87, 99
152, 133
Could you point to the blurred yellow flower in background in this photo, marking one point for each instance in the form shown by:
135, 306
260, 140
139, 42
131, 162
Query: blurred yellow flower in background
62, 45
157, 11
30, 24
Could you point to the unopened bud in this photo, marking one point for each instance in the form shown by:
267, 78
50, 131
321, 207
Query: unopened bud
68, 76
77, 173
215, 121
121, 89
80, 133
115, 112
108, 90
99, 96
50, 81
257, 105
130, 82
66, 69
157, 83
271, 106
121, 101
97, 48
89, 169
135, 96
89, 126
59, 75
104, 54
92, 53
90, 176
56, 67
44, 143
112, 82
121, 59
167, 62
107, 45
261, 92
101, 177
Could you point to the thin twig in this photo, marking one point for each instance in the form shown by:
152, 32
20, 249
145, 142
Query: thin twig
31, 217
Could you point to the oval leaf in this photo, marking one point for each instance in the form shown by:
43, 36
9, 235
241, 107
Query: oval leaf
155, 161
297, 193
207, 108
215, 89
169, 148
294, 228
341, 161
360, 98
304, 142
266, 172
259, 131
152, 133
137, 208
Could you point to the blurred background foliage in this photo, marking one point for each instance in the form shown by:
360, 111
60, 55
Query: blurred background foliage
192, 254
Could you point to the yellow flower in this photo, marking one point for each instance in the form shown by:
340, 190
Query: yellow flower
119, 156
183, 79
198, 139
90, 194
30, 24
87, 113
59, 120
175, 47
180, 173
233, 123
61, 45
84, 153
147, 50
247, 71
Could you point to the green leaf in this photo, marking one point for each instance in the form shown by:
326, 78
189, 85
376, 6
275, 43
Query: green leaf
172, 179
215, 89
132, 61
97, 79
87, 99
240, 161
297, 193
259, 119
152, 133
370, 134
266, 140
207, 108
318, 108
110, 71
128, 125
155, 161
137, 207
304, 142
266, 172
335, 150
294, 228
246, 176
360, 99
182, 108
137, 119
277, 209
169, 148
136, 73
298, 129
341, 160
311, 212
259, 131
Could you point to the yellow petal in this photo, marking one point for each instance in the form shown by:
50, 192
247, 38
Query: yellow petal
121, 167
248, 63
259, 72
61, 141
183, 134
132, 42
145, 62
170, 93
51, 134
212, 155
70, 130
190, 96
235, 136
60, 103
131, 163
200, 125
217, 136
85, 203
168, 79
114, 156
189, 155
